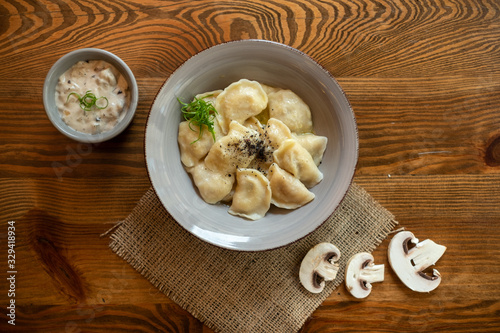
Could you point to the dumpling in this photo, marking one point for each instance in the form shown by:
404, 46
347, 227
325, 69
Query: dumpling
252, 195
209, 96
314, 144
277, 132
193, 151
240, 101
287, 191
272, 135
269, 89
213, 186
233, 150
263, 159
295, 159
263, 153
191, 146
288, 107
255, 124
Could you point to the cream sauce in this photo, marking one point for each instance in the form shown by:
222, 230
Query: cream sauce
103, 80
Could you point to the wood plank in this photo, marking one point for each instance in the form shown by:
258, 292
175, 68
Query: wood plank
146, 317
400, 39
443, 126
330, 317
412, 315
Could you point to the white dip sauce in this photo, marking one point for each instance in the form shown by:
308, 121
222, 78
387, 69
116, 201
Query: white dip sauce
103, 80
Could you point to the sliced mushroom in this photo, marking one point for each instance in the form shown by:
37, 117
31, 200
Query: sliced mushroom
409, 264
361, 272
318, 266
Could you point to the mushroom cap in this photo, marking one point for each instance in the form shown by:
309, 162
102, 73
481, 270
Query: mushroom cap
318, 266
409, 264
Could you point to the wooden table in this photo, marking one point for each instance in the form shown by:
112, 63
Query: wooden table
423, 78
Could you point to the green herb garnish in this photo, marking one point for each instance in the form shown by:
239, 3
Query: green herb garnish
89, 100
199, 112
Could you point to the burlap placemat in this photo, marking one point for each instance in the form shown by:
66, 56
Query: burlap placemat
233, 291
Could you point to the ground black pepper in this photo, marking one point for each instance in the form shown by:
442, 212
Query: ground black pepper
253, 146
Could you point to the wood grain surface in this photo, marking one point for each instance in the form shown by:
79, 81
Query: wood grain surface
423, 78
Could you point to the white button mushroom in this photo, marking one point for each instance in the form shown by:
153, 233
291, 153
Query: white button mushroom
361, 272
409, 264
318, 266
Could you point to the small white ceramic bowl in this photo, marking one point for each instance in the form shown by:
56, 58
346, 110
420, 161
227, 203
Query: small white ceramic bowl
276, 65
61, 66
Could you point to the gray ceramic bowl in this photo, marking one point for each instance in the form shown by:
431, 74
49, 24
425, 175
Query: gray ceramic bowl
62, 65
276, 65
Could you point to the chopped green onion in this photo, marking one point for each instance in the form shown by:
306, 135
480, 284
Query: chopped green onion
89, 100
199, 112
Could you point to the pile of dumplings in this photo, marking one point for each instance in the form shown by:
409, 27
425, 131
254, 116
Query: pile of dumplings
265, 151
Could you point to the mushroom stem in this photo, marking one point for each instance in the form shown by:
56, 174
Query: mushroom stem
328, 270
372, 273
428, 254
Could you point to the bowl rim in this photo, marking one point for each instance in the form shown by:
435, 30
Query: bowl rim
60, 67
351, 112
